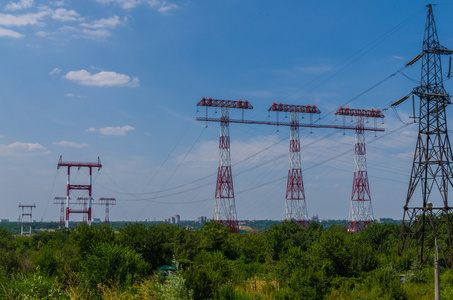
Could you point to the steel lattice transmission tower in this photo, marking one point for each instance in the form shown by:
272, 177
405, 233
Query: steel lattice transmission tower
27, 212
361, 211
429, 216
295, 204
224, 202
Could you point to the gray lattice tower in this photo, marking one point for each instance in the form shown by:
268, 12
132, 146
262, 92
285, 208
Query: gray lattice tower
428, 214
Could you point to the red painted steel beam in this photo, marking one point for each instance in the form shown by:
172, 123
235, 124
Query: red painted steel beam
61, 163
225, 103
359, 112
298, 108
287, 124
79, 187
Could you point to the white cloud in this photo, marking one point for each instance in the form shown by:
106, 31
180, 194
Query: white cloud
70, 144
57, 3
93, 34
91, 129
19, 5
103, 23
20, 149
166, 7
55, 71
22, 20
72, 95
42, 34
116, 130
161, 6
10, 33
126, 4
64, 15
103, 78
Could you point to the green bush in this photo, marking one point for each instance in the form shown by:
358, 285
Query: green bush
31, 286
109, 264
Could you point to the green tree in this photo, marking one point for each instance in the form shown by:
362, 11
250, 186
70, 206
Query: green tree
109, 264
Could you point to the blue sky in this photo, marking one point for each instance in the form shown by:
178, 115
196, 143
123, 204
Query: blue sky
120, 79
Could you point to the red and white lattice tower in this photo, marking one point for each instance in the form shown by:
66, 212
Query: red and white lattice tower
361, 211
224, 202
86, 211
295, 204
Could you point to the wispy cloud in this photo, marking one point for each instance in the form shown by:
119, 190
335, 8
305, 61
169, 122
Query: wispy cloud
10, 33
23, 149
161, 6
398, 57
23, 20
70, 144
126, 4
165, 7
65, 15
55, 71
76, 96
22, 4
103, 78
104, 23
119, 131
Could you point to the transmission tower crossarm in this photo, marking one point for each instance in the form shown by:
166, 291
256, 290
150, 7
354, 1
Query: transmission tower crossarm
296, 108
359, 112
62, 163
225, 103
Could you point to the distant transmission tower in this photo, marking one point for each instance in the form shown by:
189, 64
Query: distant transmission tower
224, 202
429, 216
295, 204
107, 202
86, 210
26, 215
361, 211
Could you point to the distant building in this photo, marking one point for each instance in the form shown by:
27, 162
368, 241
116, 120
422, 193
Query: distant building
4, 220
96, 219
315, 218
173, 220
383, 220
202, 220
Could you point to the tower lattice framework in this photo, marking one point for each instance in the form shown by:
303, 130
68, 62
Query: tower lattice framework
224, 202
429, 215
295, 205
361, 210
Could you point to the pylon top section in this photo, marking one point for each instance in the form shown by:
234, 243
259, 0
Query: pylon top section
297, 108
62, 163
359, 112
225, 103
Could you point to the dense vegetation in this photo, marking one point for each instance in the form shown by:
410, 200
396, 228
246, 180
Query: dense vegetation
284, 261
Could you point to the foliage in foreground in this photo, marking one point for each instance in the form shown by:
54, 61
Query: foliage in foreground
285, 261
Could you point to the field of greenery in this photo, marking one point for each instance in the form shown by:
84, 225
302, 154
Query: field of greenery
284, 261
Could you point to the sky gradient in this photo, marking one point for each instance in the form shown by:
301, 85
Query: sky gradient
120, 79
